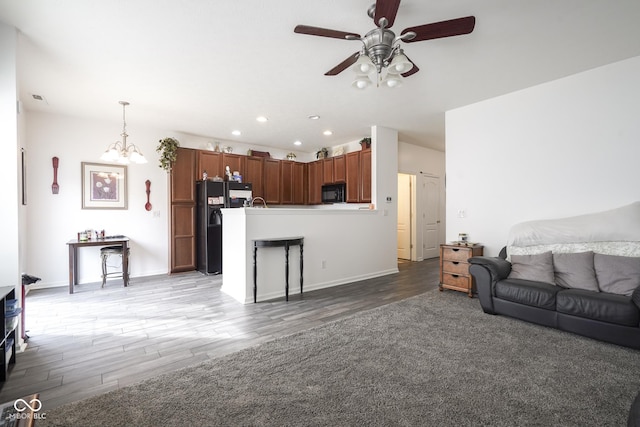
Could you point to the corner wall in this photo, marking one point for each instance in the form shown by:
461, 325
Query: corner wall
559, 149
9, 172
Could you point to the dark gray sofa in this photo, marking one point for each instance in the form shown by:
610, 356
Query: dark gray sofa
604, 316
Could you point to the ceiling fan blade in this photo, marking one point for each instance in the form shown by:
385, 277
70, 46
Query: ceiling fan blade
386, 9
343, 65
323, 32
438, 30
413, 70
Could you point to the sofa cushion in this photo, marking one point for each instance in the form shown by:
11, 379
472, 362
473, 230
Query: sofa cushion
617, 274
611, 308
537, 267
575, 270
535, 294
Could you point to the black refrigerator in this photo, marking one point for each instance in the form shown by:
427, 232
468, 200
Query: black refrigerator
211, 197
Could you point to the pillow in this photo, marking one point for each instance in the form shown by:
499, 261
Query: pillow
575, 270
537, 267
617, 274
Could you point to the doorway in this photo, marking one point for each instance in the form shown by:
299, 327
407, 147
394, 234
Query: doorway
406, 214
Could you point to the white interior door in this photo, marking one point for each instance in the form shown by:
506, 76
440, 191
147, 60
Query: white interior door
431, 216
404, 216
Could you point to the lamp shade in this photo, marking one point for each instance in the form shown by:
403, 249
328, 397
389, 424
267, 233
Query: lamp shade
363, 64
392, 80
400, 64
362, 81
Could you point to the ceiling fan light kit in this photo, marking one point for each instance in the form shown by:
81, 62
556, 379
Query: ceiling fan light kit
381, 49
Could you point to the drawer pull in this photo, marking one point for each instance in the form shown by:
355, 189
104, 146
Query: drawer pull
455, 249
455, 275
455, 262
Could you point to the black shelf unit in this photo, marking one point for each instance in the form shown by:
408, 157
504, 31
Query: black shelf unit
8, 343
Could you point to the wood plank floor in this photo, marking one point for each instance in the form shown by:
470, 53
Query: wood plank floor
100, 339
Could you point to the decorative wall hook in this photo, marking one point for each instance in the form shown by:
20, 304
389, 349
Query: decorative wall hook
55, 187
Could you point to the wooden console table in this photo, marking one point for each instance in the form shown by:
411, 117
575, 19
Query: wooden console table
107, 241
285, 242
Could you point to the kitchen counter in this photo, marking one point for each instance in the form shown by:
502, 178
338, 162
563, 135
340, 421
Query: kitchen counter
340, 247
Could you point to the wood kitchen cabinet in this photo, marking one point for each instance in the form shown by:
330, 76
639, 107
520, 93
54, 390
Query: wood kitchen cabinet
352, 163
271, 182
299, 183
358, 176
339, 169
254, 174
365, 176
286, 182
210, 161
182, 248
235, 163
314, 173
327, 171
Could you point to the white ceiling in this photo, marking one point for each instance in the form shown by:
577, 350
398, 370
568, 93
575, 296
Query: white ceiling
209, 67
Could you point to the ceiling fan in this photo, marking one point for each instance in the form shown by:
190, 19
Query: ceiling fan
381, 47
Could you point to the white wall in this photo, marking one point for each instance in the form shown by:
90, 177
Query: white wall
9, 172
559, 149
55, 219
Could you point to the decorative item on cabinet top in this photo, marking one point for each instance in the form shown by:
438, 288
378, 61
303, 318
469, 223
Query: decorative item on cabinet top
323, 153
257, 153
291, 156
365, 143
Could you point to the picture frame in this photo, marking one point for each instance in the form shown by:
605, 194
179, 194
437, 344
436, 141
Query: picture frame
104, 186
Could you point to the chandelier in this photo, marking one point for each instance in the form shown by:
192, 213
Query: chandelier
120, 152
381, 53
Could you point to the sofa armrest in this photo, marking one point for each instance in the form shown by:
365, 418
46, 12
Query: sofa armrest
498, 267
486, 272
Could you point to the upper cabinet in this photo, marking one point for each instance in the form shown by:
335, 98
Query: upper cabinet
365, 176
210, 162
183, 189
271, 181
314, 180
339, 169
254, 173
235, 163
327, 171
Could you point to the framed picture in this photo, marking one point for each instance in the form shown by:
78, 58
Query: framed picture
104, 186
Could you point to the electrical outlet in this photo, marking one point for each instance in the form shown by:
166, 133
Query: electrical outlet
156, 214
462, 213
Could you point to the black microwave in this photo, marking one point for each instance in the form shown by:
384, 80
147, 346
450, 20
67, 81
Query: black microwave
334, 193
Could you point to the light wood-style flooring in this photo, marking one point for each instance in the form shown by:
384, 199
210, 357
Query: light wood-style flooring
100, 339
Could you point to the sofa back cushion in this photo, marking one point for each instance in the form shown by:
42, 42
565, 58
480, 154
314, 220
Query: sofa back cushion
575, 271
617, 274
537, 267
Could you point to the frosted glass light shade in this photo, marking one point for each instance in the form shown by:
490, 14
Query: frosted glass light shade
400, 64
363, 65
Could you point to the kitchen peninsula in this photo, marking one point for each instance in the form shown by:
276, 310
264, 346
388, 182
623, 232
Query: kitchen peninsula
340, 246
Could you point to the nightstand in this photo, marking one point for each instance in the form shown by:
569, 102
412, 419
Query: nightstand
454, 268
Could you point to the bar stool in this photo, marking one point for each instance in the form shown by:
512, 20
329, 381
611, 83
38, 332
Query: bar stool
107, 252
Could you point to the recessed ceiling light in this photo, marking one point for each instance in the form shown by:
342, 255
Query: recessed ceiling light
327, 132
297, 143
262, 119
314, 117
236, 133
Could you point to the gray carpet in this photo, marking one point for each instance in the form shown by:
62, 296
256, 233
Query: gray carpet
434, 360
